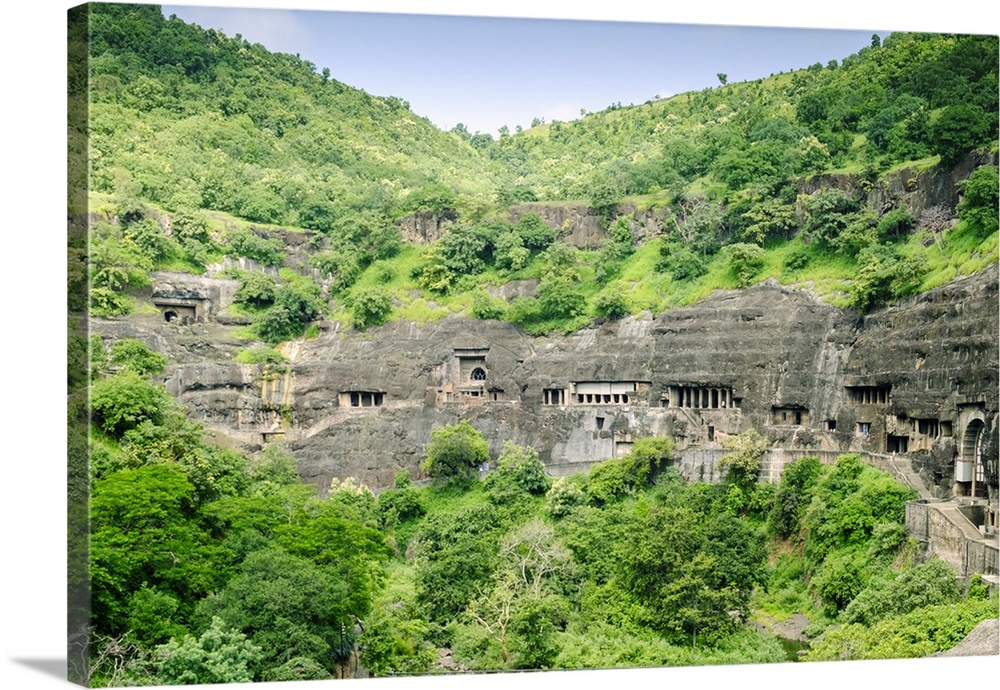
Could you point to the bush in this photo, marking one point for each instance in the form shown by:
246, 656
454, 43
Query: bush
919, 633
792, 496
487, 308
744, 261
341, 267
839, 580
560, 298
134, 355
455, 453
400, 503
293, 308
518, 472
828, 213
220, 655
611, 303
465, 250
565, 495
511, 254
248, 244
743, 457
797, 258
978, 206
680, 262
533, 231
296, 668
883, 276
895, 225
927, 584
121, 402
371, 307
260, 355
959, 130
256, 290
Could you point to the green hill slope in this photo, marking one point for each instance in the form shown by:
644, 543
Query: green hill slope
797, 177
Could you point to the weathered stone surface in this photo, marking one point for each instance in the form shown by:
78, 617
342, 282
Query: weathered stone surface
767, 357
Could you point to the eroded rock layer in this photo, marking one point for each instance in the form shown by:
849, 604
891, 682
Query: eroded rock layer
916, 382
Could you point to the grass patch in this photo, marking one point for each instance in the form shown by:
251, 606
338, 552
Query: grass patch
961, 253
261, 354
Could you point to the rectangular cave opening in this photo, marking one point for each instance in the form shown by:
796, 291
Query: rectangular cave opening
928, 427
789, 416
554, 396
699, 397
362, 398
896, 444
869, 395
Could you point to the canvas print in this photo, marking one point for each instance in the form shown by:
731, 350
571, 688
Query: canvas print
413, 345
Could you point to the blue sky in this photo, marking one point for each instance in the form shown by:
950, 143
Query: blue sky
491, 71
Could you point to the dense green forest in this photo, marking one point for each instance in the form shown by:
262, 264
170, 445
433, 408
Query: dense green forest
209, 566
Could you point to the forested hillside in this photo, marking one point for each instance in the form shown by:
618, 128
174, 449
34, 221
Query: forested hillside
202, 145
212, 156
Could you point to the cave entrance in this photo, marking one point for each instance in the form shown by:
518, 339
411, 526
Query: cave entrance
170, 316
972, 456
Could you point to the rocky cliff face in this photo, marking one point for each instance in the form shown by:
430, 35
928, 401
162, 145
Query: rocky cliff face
915, 380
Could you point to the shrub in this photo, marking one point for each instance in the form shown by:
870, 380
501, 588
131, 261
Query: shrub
256, 289
743, 457
370, 307
560, 298
533, 231
959, 130
400, 503
220, 655
465, 250
828, 213
260, 355
518, 471
895, 225
132, 354
248, 244
792, 496
883, 276
486, 307
455, 452
927, 584
839, 579
978, 206
744, 261
341, 267
121, 402
611, 303
510, 253
797, 258
680, 262
565, 495
293, 308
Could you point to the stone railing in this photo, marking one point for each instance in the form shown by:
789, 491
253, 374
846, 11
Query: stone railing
945, 532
